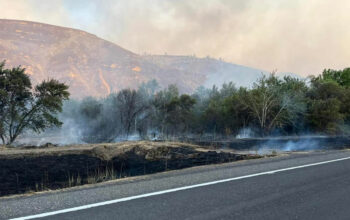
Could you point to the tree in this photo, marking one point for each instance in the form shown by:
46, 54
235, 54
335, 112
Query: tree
130, 104
274, 103
147, 118
179, 113
24, 108
236, 114
294, 90
95, 125
216, 116
212, 117
325, 101
342, 77
173, 112
161, 104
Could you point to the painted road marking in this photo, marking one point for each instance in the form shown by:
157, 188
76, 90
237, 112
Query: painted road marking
172, 190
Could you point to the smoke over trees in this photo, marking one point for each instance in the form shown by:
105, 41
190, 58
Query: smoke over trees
282, 106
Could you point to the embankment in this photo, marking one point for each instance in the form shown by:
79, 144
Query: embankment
36, 169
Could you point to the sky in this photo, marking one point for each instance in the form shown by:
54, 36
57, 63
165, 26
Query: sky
299, 36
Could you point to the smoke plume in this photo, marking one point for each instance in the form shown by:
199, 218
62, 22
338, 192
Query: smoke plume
294, 36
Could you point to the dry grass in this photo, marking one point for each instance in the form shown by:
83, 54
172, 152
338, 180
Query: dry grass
103, 151
102, 175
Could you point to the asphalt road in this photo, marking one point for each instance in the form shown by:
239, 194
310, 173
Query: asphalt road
299, 186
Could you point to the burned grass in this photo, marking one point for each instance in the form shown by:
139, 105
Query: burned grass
35, 169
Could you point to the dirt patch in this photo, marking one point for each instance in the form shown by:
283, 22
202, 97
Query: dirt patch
28, 169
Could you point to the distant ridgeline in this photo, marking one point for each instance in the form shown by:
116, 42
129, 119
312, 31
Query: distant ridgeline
92, 66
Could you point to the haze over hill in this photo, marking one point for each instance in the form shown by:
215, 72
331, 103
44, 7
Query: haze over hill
92, 66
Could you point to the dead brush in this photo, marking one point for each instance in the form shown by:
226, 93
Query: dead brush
101, 175
74, 180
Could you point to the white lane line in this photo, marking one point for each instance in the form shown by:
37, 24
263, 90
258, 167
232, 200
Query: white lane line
171, 190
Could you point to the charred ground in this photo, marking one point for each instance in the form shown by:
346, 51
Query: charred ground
29, 169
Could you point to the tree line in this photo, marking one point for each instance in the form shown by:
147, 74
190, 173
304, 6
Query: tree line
272, 106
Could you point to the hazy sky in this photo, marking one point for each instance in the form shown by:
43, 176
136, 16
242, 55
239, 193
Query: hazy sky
300, 36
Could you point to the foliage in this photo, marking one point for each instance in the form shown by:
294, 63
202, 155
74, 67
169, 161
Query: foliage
341, 77
328, 105
273, 105
24, 108
173, 112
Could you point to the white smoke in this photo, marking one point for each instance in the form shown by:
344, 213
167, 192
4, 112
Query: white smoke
245, 133
300, 145
280, 145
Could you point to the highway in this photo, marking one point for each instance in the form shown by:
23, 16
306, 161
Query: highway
314, 185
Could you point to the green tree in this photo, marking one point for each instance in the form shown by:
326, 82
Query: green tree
161, 103
174, 112
294, 90
24, 108
236, 114
217, 117
342, 77
274, 103
180, 112
212, 118
325, 101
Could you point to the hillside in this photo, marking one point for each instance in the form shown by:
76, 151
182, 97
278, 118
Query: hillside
210, 71
95, 67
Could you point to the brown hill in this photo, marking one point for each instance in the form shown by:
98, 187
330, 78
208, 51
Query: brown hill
95, 67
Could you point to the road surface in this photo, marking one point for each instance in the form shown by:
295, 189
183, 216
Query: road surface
313, 185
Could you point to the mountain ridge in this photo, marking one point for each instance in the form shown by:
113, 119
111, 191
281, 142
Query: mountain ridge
92, 66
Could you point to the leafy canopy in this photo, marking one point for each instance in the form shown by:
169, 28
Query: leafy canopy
24, 108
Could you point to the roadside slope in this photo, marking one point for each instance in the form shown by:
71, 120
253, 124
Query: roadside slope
37, 169
50, 201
